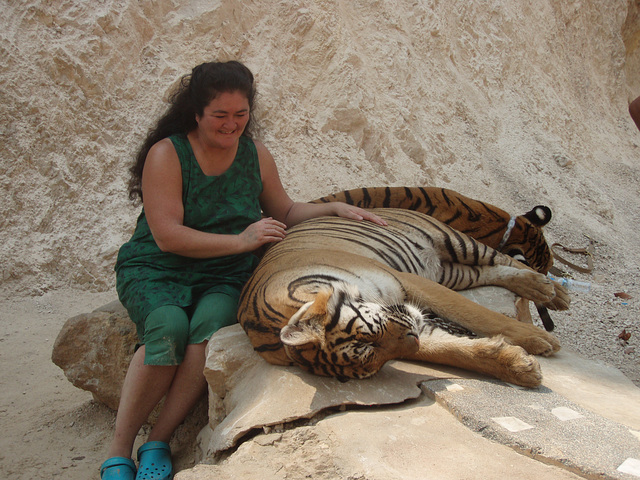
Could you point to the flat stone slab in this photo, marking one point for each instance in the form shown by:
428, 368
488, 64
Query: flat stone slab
416, 440
583, 420
246, 393
600, 388
542, 424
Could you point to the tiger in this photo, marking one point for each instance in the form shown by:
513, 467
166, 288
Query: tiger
340, 298
520, 237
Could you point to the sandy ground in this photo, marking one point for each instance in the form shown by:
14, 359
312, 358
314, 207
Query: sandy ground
50, 428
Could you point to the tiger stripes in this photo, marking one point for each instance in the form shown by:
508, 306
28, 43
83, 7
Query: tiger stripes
480, 220
404, 244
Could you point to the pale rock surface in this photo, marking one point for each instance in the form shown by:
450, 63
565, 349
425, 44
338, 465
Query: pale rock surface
407, 442
613, 396
509, 101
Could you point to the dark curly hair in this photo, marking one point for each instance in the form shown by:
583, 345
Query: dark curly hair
194, 92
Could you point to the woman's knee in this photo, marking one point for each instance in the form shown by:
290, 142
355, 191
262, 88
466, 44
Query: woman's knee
213, 312
166, 335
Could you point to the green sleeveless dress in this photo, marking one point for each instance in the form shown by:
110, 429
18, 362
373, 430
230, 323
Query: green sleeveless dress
147, 278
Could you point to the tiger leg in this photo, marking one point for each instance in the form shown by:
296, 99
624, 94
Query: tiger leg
523, 311
524, 282
477, 264
491, 356
452, 306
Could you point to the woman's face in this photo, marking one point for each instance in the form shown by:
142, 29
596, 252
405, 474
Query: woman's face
223, 120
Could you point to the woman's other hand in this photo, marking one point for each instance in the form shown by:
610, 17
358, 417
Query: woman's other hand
267, 230
356, 213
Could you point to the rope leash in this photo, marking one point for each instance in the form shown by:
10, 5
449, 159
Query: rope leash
588, 251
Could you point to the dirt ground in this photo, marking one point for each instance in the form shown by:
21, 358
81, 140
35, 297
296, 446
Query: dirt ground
50, 428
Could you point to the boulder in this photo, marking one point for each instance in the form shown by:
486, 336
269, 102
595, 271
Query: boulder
94, 351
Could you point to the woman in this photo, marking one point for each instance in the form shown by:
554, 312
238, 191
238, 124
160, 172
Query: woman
204, 184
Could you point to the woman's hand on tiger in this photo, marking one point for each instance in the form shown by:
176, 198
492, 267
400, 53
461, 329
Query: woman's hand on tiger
267, 230
349, 211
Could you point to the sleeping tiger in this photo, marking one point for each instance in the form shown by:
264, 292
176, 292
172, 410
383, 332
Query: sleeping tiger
520, 237
340, 298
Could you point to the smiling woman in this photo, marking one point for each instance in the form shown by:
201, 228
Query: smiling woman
205, 185
219, 129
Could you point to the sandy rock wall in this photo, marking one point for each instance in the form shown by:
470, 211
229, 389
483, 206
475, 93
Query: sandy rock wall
631, 38
508, 102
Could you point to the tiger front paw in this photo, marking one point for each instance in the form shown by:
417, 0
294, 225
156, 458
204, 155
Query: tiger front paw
536, 342
520, 368
533, 286
562, 299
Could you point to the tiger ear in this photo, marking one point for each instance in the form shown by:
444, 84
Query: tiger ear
299, 335
306, 326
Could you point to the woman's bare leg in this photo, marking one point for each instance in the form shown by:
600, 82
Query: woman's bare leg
187, 388
144, 386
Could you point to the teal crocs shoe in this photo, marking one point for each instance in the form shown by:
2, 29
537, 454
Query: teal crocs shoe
118, 468
155, 462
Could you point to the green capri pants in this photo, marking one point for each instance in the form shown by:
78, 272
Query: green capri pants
168, 329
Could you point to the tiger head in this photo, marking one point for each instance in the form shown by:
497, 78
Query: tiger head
340, 335
526, 242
